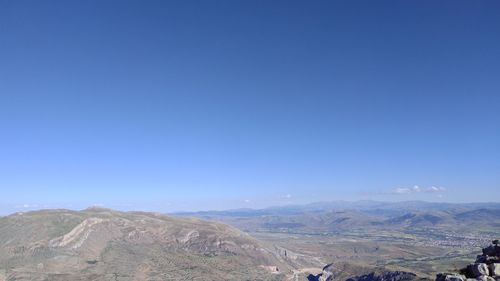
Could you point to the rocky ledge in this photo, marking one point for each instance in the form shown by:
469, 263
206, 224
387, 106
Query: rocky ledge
485, 268
329, 273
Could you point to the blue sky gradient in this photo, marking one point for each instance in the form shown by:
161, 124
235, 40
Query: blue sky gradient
193, 105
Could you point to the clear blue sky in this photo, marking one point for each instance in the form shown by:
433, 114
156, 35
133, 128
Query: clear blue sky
189, 105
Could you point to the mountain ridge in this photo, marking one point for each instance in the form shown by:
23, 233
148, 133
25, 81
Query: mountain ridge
107, 244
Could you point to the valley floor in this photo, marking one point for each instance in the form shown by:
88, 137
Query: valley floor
425, 255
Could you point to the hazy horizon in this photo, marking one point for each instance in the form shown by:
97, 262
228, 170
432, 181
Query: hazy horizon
169, 209
181, 105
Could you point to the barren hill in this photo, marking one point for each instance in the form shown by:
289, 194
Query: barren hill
101, 244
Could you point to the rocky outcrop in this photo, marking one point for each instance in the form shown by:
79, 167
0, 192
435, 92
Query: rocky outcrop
478, 269
450, 277
491, 254
329, 274
494, 269
485, 268
386, 276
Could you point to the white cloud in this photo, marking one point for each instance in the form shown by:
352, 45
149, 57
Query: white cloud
27, 206
436, 189
246, 201
97, 205
417, 189
401, 190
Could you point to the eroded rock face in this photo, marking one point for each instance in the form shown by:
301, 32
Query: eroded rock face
78, 235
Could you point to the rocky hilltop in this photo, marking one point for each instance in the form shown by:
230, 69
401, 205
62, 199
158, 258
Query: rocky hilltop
485, 268
102, 244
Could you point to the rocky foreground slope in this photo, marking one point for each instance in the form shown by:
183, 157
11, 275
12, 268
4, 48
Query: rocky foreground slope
332, 272
101, 244
485, 268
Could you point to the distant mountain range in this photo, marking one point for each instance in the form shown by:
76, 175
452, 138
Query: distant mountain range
342, 215
362, 205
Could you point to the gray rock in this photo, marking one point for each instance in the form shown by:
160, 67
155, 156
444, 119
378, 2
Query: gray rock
481, 258
450, 277
478, 269
327, 274
455, 277
494, 269
485, 278
386, 276
492, 250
